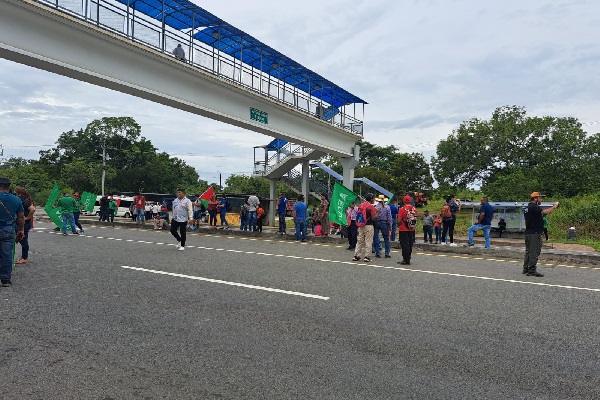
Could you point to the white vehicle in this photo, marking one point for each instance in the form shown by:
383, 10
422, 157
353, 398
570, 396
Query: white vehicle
124, 202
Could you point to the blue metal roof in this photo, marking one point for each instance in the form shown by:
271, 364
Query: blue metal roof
184, 15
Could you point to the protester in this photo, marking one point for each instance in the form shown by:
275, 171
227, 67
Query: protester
132, 212
407, 216
244, 217
437, 227
253, 203
365, 219
534, 227
198, 206
112, 210
315, 218
502, 226
161, 220
394, 211
222, 207
154, 210
140, 208
484, 223
77, 211
281, 212
104, 208
448, 214
183, 215
11, 219
260, 215
299, 215
213, 206
383, 224
324, 214
546, 227
67, 204
427, 227
179, 53
28, 211
148, 211
352, 229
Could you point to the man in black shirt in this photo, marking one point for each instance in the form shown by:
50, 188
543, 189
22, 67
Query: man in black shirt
534, 228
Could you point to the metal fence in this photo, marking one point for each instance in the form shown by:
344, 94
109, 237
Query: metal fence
144, 30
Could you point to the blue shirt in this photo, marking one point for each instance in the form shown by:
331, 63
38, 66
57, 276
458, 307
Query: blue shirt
300, 209
223, 208
394, 211
14, 206
282, 205
488, 212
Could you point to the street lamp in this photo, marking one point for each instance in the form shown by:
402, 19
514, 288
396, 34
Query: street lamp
220, 185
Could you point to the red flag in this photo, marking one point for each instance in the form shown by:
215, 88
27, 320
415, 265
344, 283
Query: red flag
207, 195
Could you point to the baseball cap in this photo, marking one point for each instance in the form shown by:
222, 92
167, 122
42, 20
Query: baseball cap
536, 194
407, 199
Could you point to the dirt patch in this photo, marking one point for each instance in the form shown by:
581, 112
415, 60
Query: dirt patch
572, 247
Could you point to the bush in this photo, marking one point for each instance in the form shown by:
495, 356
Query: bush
582, 212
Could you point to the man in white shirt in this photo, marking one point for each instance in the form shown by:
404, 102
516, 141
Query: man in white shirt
253, 203
183, 215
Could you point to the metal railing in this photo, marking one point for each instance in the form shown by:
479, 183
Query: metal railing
279, 156
125, 21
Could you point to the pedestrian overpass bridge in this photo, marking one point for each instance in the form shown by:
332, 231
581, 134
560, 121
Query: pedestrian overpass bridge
229, 76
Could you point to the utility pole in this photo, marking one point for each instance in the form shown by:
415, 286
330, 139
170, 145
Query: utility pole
103, 165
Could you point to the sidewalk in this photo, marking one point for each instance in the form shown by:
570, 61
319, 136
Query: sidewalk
501, 248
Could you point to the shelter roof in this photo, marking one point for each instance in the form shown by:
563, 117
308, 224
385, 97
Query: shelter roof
184, 15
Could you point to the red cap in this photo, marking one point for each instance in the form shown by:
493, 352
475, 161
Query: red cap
407, 199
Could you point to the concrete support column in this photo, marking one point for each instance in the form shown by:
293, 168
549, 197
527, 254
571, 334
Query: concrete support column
272, 201
305, 179
348, 163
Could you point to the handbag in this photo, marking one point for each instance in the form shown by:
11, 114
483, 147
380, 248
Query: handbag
17, 238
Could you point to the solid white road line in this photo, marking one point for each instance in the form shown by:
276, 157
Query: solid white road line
199, 278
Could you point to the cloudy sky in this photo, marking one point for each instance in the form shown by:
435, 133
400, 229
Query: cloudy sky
423, 67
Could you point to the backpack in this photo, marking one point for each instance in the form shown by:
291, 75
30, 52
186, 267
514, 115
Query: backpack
446, 213
411, 218
363, 215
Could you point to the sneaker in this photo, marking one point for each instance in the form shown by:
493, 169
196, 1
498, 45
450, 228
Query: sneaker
469, 245
444, 243
81, 231
525, 270
367, 259
355, 258
387, 256
404, 262
75, 233
64, 234
535, 274
6, 283
181, 248
453, 244
378, 255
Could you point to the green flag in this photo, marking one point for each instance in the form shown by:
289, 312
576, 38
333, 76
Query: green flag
88, 200
52, 199
340, 200
56, 216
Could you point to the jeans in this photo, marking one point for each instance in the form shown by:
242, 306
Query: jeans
438, 234
300, 229
427, 232
71, 219
486, 233
77, 223
111, 215
181, 236
252, 220
223, 215
383, 227
212, 217
281, 222
352, 235
394, 227
244, 222
7, 248
141, 215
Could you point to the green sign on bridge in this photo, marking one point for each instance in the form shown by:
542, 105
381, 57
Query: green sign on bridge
260, 116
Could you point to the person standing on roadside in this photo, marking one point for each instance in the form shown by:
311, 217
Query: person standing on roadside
484, 223
67, 204
382, 225
183, 215
546, 227
140, 209
324, 214
104, 210
448, 213
534, 228
253, 203
299, 214
222, 207
197, 210
11, 219
406, 229
112, 210
213, 205
352, 229
28, 211
394, 211
260, 214
77, 211
437, 227
281, 211
365, 218
427, 227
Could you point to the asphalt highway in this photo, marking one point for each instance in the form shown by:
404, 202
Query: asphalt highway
121, 314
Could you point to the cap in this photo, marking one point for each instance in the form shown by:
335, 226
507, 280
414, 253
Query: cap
407, 199
4, 181
536, 194
369, 196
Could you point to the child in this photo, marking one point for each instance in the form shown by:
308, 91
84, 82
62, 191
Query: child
318, 228
260, 213
437, 226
